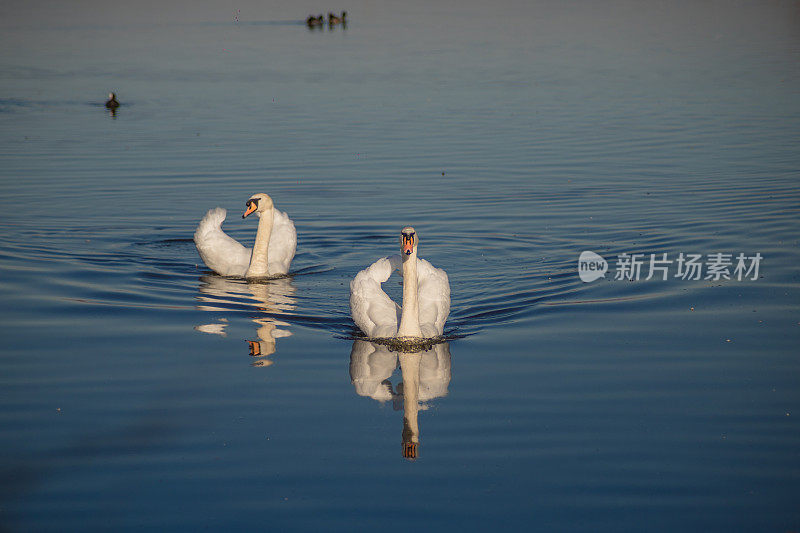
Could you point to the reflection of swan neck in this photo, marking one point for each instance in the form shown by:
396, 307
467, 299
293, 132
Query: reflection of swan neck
259, 260
267, 342
409, 322
409, 365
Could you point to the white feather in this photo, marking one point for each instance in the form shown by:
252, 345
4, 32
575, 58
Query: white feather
282, 243
434, 298
220, 252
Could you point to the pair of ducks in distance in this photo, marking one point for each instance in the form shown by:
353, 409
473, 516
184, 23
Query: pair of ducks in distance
426, 289
313, 21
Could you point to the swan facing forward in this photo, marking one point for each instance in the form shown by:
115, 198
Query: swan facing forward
276, 240
426, 296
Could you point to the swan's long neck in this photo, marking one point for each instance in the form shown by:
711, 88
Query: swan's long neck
409, 322
259, 260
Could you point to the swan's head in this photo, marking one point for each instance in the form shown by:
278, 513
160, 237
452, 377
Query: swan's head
258, 203
408, 241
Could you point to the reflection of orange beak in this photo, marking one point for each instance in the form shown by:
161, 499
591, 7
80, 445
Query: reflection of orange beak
252, 206
255, 348
408, 245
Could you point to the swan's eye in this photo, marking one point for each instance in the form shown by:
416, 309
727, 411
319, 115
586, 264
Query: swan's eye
252, 201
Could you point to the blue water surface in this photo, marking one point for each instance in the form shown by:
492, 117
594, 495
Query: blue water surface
140, 390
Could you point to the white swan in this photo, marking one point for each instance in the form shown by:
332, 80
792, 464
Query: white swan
276, 241
426, 295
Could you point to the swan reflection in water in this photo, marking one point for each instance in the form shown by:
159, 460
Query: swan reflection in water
425, 376
269, 297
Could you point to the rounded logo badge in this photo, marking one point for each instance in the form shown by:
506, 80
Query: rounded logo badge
591, 266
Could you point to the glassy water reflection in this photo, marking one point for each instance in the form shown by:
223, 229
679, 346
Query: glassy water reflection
425, 376
268, 298
425, 372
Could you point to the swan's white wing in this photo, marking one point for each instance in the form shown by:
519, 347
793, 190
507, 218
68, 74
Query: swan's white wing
221, 253
373, 311
282, 243
434, 298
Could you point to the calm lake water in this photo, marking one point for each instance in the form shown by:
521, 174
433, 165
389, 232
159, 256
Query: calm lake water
513, 138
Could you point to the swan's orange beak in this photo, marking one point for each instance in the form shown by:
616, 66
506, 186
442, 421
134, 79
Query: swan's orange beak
251, 206
408, 244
